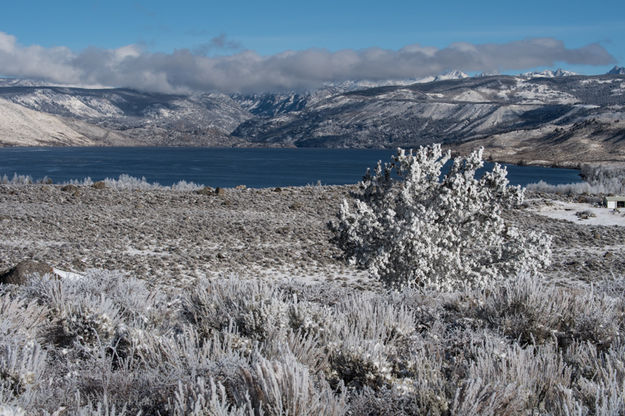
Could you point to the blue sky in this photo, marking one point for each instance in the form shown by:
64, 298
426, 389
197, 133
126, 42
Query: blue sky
212, 29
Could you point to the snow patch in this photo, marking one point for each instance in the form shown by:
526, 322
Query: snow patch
470, 96
597, 81
65, 275
145, 252
567, 211
531, 93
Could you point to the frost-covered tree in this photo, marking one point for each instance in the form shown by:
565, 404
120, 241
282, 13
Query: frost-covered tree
412, 226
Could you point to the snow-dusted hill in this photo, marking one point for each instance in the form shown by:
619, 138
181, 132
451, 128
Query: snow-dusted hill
557, 111
142, 118
20, 126
617, 70
448, 109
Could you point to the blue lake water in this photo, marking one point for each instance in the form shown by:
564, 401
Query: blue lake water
223, 167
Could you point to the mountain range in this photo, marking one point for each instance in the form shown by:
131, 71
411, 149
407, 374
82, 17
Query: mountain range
548, 117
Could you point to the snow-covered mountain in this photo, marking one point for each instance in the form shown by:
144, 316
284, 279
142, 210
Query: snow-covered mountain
140, 118
503, 113
455, 74
563, 111
617, 70
549, 74
26, 127
269, 105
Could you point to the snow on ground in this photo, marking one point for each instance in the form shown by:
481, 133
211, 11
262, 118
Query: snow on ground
470, 96
67, 275
539, 94
568, 210
152, 251
597, 81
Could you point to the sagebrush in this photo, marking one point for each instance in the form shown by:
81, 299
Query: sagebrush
109, 344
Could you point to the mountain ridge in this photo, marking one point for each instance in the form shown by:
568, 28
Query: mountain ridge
558, 112
617, 70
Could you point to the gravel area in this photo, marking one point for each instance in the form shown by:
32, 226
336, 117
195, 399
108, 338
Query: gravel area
180, 236
174, 235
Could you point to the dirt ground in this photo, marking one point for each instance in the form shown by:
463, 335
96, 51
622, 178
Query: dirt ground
182, 236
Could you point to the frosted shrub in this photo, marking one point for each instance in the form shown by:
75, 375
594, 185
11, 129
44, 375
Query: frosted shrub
77, 312
16, 180
533, 312
11, 411
131, 183
184, 186
22, 180
21, 367
505, 379
597, 180
360, 363
411, 226
286, 387
255, 308
80, 182
106, 345
202, 398
604, 179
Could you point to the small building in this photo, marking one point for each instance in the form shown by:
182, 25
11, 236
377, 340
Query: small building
617, 201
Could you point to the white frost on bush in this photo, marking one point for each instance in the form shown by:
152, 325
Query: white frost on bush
597, 180
123, 182
577, 188
411, 227
242, 348
127, 182
19, 180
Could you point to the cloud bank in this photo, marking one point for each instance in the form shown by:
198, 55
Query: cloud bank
185, 70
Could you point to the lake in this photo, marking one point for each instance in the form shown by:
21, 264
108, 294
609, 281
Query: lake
255, 168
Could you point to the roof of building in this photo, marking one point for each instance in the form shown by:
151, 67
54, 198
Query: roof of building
615, 198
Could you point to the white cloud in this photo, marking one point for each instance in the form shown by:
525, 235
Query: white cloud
7, 42
247, 71
129, 51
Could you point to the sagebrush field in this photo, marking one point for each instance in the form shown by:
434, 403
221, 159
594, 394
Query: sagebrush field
191, 301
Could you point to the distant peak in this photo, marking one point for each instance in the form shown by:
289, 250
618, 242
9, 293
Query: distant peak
549, 73
563, 73
617, 70
454, 74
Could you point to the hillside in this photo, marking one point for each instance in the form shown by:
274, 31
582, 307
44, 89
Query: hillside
139, 118
510, 116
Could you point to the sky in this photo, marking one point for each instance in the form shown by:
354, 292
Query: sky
245, 46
